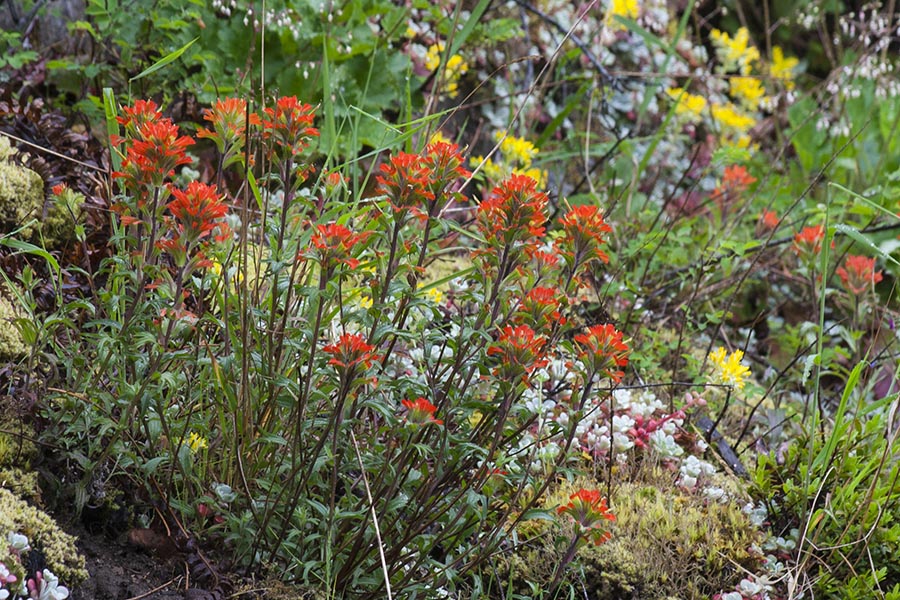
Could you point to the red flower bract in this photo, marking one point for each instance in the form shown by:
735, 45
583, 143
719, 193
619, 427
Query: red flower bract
808, 243
858, 274
153, 155
585, 231
198, 209
229, 121
520, 351
421, 411
289, 125
407, 181
514, 212
602, 350
589, 510
334, 242
349, 351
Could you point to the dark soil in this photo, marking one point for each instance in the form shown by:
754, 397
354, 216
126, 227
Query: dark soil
120, 571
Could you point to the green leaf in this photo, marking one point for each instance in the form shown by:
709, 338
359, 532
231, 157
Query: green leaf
168, 58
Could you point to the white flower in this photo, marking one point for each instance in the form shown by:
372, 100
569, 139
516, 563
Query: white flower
716, 494
732, 596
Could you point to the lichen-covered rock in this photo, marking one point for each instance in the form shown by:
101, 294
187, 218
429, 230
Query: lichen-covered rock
57, 547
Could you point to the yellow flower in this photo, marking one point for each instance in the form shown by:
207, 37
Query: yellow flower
365, 302
688, 104
728, 367
518, 149
628, 9
492, 171
782, 68
748, 91
455, 68
729, 118
736, 54
438, 137
196, 442
435, 295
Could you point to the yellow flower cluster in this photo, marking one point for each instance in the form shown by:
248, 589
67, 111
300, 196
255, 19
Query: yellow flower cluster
688, 104
782, 68
735, 54
628, 9
455, 68
749, 91
517, 153
733, 124
728, 367
518, 149
196, 442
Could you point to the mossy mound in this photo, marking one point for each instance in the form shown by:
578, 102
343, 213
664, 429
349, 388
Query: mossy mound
21, 198
666, 543
57, 547
22, 201
11, 344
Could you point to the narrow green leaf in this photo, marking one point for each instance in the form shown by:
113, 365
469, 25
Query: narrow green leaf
168, 58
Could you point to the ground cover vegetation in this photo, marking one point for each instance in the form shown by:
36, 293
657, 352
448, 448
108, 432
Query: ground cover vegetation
452, 300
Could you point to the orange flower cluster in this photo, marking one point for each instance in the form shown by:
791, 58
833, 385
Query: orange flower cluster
421, 411
539, 309
412, 182
334, 244
589, 511
858, 274
349, 351
520, 351
585, 231
514, 212
602, 351
289, 125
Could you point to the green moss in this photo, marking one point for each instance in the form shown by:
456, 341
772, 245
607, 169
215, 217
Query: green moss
11, 344
664, 541
21, 198
58, 547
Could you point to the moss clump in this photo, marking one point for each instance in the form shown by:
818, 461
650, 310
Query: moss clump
663, 540
58, 547
21, 198
11, 343
16, 454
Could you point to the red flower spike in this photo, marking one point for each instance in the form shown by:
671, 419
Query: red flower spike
589, 511
335, 242
808, 243
445, 163
521, 352
602, 350
585, 231
858, 274
514, 212
143, 111
407, 182
289, 125
540, 308
153, 155
229, 124
349, 351
198, 209
736, 179
421, 411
